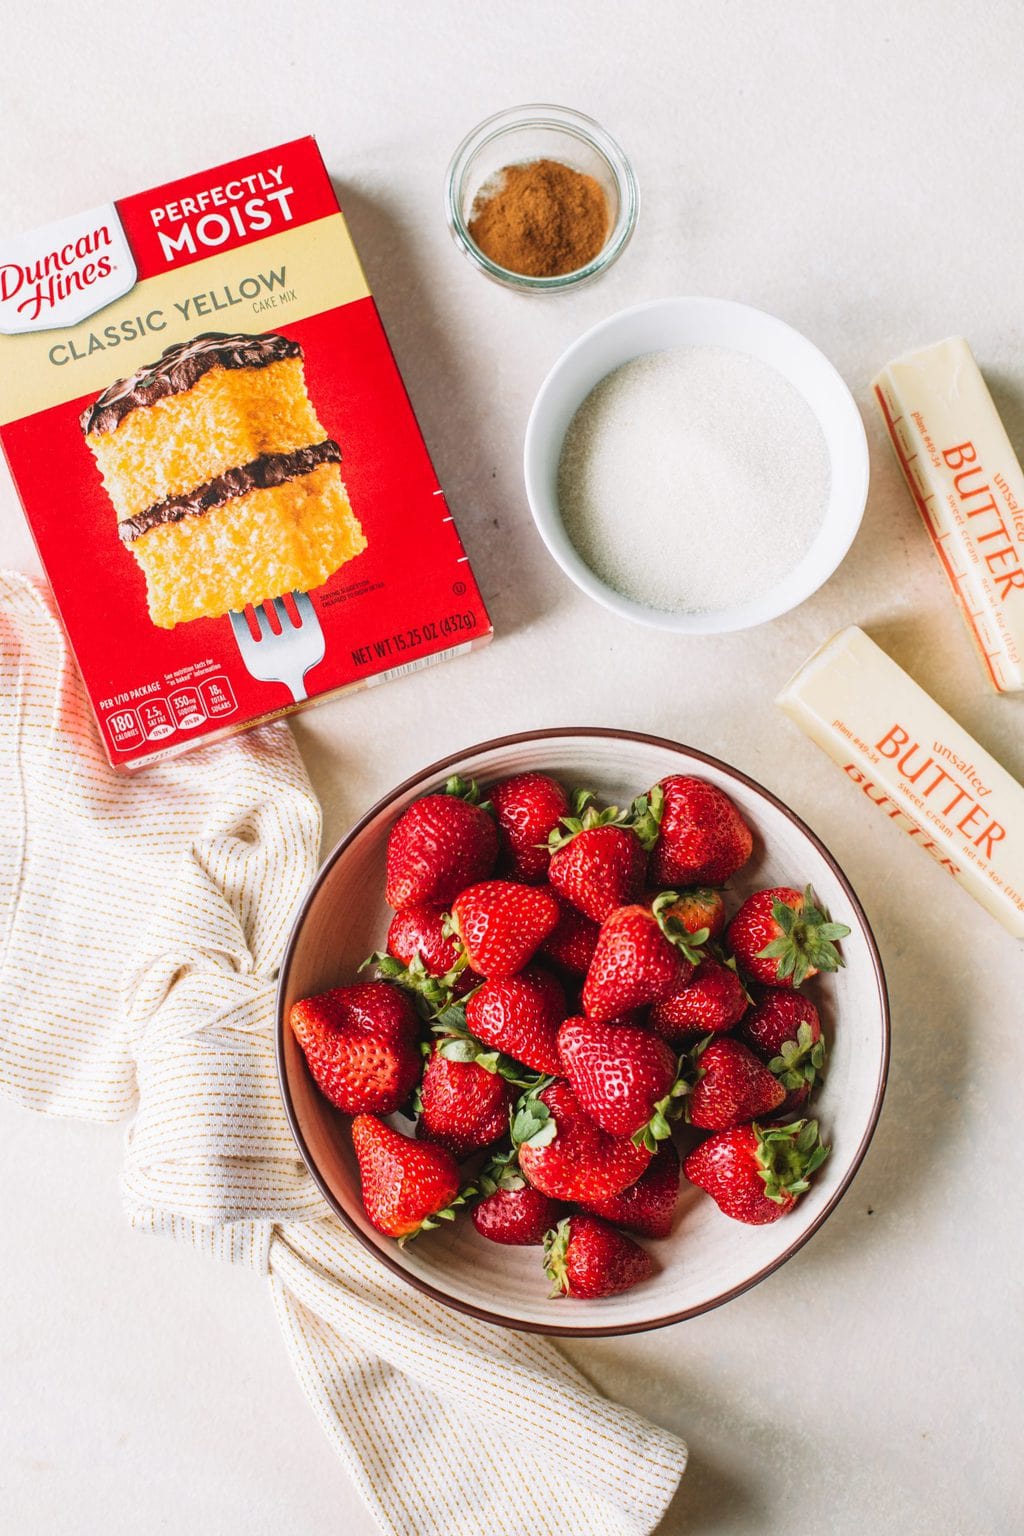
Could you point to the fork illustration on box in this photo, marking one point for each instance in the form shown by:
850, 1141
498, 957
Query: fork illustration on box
287, 654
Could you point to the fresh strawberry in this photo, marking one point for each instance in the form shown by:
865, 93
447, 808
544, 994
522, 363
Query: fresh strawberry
501, 924
732, 1086
700, 908
571, 945
586, 1258
565, 1155
528, 807
625, 1078
515, 1216
464, 1105
360, 1045
647, 1206
424, 957
780, 937
701, 837
439, 845
756, 1173
596, 863
510, 1210
519, 1015
422, 930
713, 999
784, 1029
641, 957
407, 1186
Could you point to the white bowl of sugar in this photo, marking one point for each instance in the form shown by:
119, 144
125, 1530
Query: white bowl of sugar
696, 465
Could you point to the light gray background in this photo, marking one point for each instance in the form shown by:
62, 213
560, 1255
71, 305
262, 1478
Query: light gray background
856, 169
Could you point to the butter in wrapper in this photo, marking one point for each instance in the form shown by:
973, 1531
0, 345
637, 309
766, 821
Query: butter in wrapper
968, 486
917, 765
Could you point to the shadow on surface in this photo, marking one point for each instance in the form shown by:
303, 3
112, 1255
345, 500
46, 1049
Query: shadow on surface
440, 383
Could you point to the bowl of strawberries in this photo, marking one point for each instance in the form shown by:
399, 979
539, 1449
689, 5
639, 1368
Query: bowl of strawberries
582, 1031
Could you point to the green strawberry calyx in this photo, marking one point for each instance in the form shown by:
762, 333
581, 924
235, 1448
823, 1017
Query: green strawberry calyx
729, 962
556, 1247
787, 1156
470, 792
799, 1061
446, 1213
500, 1172
667, 1109
457, 1044
431, 994
690, 945
806, 942
585, 817
531, 1122
645, 816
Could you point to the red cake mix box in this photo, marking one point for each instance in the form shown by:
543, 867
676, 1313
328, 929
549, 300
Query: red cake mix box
218, 460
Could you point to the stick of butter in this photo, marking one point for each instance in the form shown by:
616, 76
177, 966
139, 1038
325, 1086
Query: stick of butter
917, 765
968, 486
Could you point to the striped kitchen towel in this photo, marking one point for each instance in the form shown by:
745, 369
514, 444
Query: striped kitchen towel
141, 923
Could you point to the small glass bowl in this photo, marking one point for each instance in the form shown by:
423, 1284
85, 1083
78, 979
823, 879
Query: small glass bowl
540, 132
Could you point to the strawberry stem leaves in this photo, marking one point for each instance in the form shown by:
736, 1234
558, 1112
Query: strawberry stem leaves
806, 942
799, 1061
690, 945
556, 1243
645, 816
470, 792
787, 1156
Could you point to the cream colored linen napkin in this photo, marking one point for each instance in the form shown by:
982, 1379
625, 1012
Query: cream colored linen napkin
141, 923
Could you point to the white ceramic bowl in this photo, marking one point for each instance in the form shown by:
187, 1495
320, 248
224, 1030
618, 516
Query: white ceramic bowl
708, 1258
656, 327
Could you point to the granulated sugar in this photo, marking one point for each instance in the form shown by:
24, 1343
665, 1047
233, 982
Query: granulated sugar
693, 479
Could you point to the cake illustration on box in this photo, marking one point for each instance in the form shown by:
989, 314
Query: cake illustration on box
226, 487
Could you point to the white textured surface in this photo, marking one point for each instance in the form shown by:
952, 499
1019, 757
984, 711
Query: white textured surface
854, 170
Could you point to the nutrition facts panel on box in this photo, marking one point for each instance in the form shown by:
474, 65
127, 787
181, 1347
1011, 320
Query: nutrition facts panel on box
157, 717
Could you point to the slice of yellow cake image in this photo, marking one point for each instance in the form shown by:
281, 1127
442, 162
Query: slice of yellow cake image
226, 487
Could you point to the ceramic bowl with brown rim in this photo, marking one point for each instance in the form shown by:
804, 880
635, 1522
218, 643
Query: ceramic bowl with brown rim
708, 1258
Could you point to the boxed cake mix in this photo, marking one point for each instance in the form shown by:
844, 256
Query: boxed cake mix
218, 460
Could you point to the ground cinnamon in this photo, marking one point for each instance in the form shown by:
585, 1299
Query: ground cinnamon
541, 219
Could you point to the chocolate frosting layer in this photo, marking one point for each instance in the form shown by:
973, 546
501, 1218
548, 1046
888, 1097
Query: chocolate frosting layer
181, 366
262, 474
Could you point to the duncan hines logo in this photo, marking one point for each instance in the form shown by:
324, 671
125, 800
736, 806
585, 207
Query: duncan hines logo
245, 205
57, 276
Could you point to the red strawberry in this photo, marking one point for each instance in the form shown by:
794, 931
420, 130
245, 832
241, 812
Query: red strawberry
565, 1155
464, 1106
528, 807
701, 837
732, 1086
647, 1206
510, 1210
501, 924
407, 1185
571, 945
641, 957
784, 1029
781, 937
595, 865
360, 1045
439, 845
421, 930
520, 1015
585, 1257
623, 1076
713, 999
756, 1173
700, 908
424, 957
515, 1216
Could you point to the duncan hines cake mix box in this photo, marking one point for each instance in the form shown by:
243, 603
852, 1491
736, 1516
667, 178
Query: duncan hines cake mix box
218, 460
